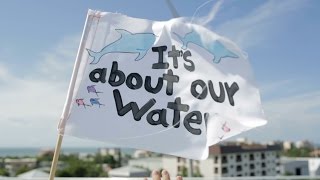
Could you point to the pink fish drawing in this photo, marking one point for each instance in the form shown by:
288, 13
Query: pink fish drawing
81, 102
225, 128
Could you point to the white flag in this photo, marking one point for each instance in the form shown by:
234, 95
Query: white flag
165, 86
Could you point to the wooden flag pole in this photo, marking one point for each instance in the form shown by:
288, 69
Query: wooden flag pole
91, 14
56, 157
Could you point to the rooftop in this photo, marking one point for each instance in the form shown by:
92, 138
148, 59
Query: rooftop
236, 148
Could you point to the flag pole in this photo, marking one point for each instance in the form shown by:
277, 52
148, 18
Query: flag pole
56, 157
91, 14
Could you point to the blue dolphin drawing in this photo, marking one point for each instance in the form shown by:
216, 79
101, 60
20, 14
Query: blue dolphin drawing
128, 42
215, 48
94, 101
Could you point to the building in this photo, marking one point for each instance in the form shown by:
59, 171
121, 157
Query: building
109, 151
287, 145
300, 166
294, 166
13, 165
231, 160
141, 154
34, 174
150, 163
115, 152
315, 153
303, 144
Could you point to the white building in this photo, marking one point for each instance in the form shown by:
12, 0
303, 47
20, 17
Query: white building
287, 145
150, 163
303, 144
34, 174
223, 161
115, 152
12, 165
241, 160
300, 166
141, 154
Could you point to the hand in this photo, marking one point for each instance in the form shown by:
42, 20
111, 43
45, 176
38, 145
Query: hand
165, 175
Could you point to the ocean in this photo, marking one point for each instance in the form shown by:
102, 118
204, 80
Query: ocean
32, 152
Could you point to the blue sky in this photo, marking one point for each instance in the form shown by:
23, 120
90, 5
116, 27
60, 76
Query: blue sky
39, 40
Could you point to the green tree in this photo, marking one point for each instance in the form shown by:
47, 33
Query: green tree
197, 173
4, 172
45, 157
80, 168
107, 159
184, 172
298, 152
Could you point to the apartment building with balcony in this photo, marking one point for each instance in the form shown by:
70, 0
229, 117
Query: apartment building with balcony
235, 160
225, 160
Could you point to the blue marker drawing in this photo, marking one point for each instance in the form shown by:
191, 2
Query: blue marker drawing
215, 48
92, 89
94, 101
128, 42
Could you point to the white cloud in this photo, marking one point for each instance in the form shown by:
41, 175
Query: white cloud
295, 109
255, 26
294, 117
57, 63
31, 105
269, 88
3, 73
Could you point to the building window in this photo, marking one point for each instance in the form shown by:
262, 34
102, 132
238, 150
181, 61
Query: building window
251, 157
179, 159
251, 166
231, 166
238, 158
224, 170
216, 158
231, 156
216, 170
263, 156
263, 165
252, 174
263, 173
239, 168
224, 159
